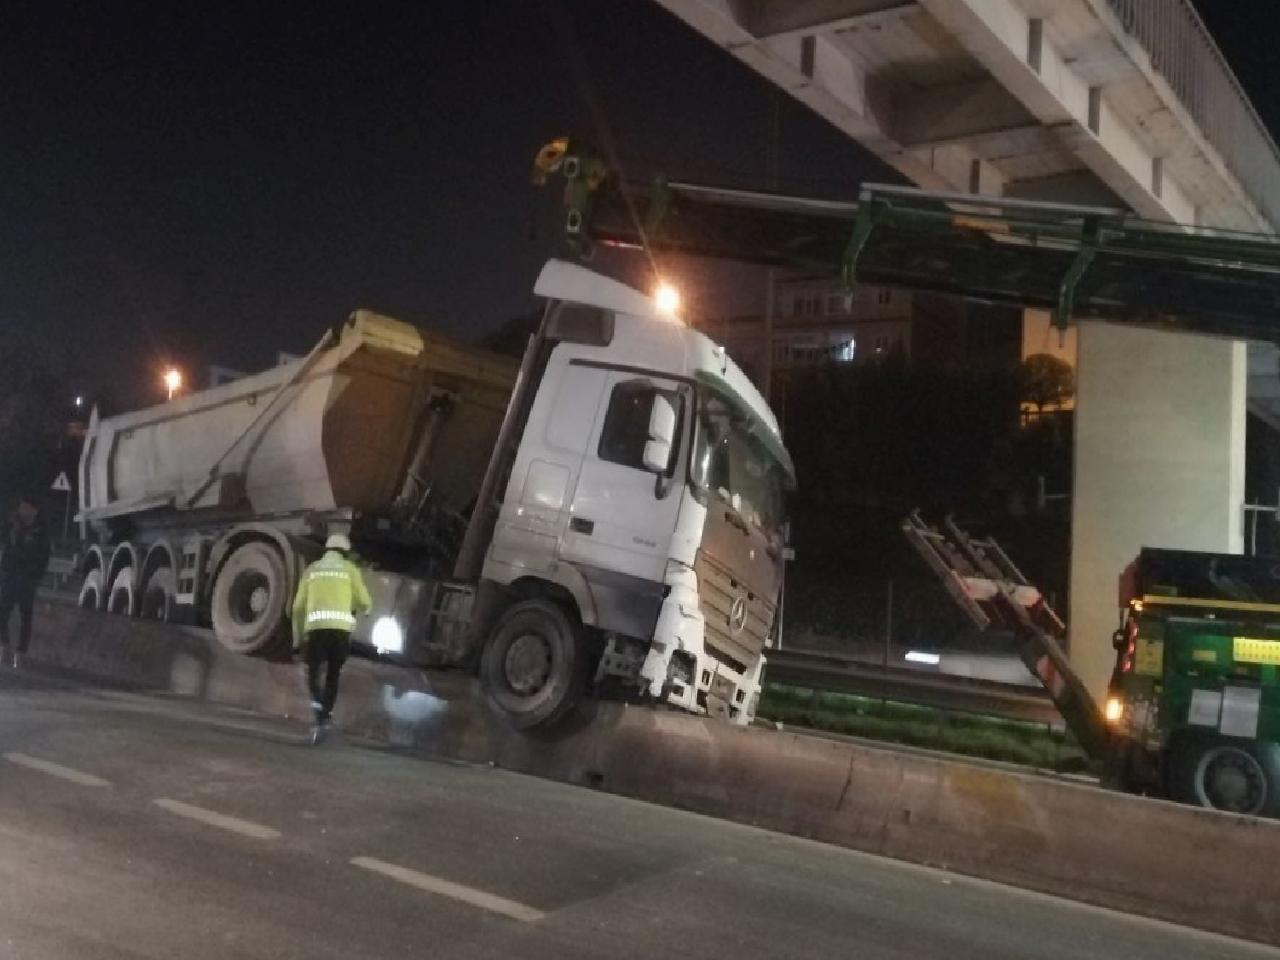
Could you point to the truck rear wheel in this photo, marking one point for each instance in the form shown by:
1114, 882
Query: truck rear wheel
249, 600
91, 590
533, 667
120, 599
1229, 775
157, 596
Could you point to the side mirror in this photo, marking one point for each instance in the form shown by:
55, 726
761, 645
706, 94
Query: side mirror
657, 454
662, 430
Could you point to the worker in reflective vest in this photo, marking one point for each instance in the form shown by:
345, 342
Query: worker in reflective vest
330, 594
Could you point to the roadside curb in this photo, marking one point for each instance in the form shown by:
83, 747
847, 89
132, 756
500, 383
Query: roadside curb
1197, 867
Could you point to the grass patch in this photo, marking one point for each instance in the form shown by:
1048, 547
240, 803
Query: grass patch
992, 738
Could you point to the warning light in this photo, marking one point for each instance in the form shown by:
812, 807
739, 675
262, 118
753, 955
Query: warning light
667, 299
1114, 710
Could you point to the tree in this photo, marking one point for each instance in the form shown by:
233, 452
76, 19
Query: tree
1046, 381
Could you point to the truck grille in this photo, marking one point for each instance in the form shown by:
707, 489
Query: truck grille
717, 590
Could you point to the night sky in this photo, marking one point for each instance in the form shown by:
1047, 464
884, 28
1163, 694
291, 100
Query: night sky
211, 185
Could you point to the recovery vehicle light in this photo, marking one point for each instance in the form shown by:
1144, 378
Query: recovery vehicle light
1114, 710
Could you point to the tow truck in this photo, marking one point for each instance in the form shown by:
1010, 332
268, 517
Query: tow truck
1153, 734
1194, 703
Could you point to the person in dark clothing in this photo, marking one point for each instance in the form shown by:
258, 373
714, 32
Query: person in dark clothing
23, 562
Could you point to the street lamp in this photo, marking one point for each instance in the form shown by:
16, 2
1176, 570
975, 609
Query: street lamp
172, 381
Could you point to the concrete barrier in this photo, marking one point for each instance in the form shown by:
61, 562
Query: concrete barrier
1190, 866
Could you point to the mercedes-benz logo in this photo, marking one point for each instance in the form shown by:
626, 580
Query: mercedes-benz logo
738, 614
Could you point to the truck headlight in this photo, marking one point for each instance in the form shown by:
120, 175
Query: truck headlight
387, 635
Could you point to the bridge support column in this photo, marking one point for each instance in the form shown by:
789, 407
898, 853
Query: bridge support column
1159, 462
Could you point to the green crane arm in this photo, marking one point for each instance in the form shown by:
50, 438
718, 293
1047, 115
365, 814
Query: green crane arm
1078, 262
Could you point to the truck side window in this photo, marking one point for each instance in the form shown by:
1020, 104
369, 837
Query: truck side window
626, 424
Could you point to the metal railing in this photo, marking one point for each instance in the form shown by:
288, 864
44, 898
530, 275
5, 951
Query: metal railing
1183, 52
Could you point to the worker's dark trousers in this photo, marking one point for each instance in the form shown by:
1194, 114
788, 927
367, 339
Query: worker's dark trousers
326, 652
24, 598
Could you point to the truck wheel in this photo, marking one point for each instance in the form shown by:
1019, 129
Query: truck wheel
157, 596
1229, 775
91, 590
533, 667
249, 600
120, 599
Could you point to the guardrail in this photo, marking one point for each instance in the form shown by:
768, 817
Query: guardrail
1183, 52
837, 674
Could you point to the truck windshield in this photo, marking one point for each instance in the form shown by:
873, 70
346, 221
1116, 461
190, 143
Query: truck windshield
732, 464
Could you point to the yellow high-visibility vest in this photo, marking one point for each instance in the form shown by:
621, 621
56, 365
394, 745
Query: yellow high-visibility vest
330, 594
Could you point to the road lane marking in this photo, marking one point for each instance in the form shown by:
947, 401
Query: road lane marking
447, 888
57, 770
245, 828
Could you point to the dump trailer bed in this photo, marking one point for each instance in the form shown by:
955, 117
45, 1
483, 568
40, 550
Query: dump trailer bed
353, 425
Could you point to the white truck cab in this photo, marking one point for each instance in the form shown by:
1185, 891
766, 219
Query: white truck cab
648, 487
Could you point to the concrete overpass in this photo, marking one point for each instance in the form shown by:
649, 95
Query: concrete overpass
1125, 103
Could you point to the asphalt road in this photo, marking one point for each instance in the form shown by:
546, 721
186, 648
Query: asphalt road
143, 827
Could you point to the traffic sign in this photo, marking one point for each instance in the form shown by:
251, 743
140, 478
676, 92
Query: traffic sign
63, 483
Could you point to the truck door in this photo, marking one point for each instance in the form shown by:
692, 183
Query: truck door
622, 515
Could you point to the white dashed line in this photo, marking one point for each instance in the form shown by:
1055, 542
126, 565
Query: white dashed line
447, 888
245, 828
57, 770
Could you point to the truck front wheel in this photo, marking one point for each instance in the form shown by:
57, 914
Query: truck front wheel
1233, 776
249, 600
533, 667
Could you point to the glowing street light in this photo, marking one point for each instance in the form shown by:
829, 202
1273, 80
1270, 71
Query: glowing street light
667, 299
172, 381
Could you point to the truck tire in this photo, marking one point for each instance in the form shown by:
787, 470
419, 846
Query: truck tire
533, 666
157, 596
120, 599
91, 590
250, 600
1236, 776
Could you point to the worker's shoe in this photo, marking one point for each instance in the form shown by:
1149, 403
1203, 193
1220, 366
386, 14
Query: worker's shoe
320, 730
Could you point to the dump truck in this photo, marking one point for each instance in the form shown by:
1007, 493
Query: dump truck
604, 516
1194, 702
